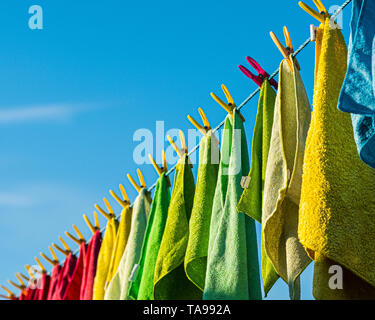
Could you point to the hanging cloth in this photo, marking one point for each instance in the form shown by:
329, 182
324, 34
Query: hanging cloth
142, 288
104, 259
119, 286
252, 197
55, 275
170, 281
199, 225
232, 260
121, 241
89, 266
358, 91
65, 277
43, 287
337, 215
73, 290
282, 186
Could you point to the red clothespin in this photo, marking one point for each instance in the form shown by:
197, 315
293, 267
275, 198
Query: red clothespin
261, 73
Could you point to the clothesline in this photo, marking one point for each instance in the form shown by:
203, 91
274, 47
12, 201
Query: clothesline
243, 103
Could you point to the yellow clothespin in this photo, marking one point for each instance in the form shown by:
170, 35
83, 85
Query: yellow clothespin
90, 225
162, 169
29, 271
55, 260
67, 250
21, 276
18, 286
180, 152
10, 296
286, 52
230, 106
42, 268
206, 125
125, 202
141, 181
80, 238
108, 215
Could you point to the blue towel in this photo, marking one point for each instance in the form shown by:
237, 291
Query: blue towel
358, 92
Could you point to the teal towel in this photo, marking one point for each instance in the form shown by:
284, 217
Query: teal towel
358, 91
199, 226
142, 288
232, 262
119, 286
252, 197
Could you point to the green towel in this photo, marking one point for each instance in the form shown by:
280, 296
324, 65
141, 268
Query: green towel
104, 259
119, 286
120, 244
199, 227
232, 261
282, 186
170, 281
142, 288
252, 198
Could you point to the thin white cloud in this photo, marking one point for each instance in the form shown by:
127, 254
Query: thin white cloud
38, 113
14, 200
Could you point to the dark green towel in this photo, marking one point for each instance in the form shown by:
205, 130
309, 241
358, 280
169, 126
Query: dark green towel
251, 201
171, 282
232, 261
199, 228
142, 288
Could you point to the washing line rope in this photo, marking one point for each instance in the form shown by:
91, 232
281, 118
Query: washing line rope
243, 103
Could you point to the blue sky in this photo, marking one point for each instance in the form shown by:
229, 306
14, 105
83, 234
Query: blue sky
74, 93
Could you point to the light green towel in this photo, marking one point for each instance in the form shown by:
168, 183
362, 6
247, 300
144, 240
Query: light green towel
282, 187
199, 227
171, 282
121, 241
232, 262
104, 259
119, 286
142, 288
252, 198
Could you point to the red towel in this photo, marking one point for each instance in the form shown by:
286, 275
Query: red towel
43, 286
65, 276
89, 269
73, 291
55, 274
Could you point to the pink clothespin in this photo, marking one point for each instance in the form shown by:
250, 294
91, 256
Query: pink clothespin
261, 73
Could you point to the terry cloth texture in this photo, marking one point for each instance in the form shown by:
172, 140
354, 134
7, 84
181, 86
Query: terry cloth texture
89, 267
358, 91
142, 288
119, 286
282, 187
73, 291
55, 274
170, 281
252, 197
337, 212
104, 259
121, 241
199, 225
232, 260
65, 277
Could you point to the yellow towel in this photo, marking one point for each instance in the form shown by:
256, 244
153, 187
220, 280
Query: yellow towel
283, 179
104, 259
120, 244
337, 211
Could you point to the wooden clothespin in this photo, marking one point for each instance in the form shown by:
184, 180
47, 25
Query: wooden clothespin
55, 261
162, 169
80, 238
206, 125
230, 106
92, 227
180, 152
11, 295
67, 250
125, 202
286, 52
321, 15
108, 215
141, 181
